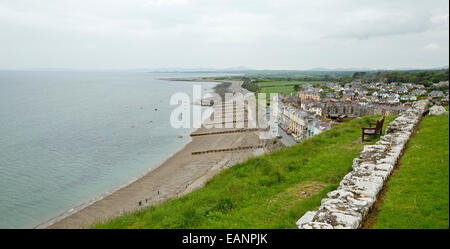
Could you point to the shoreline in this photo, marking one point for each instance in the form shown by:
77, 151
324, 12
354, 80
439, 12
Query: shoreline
183, 171
92, 201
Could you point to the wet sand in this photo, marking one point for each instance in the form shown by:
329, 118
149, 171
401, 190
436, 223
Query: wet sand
177, 176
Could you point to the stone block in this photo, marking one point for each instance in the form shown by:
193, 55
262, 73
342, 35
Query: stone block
437, 110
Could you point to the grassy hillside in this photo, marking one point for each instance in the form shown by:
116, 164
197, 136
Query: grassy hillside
418, 196
271, 191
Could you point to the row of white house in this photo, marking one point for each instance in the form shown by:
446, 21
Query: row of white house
301, 124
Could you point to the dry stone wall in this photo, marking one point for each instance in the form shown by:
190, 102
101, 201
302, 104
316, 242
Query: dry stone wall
437, 110
346, 207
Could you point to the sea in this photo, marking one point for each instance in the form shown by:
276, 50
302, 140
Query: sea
67, 138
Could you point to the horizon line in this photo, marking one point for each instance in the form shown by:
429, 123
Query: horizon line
229, 69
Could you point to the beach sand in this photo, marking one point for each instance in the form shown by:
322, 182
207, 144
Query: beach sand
178, 175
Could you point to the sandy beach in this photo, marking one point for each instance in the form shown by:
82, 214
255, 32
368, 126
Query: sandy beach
178, 175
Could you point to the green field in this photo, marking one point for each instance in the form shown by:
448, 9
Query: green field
418, 196
286, 83
280, 89
271, 191
285, 87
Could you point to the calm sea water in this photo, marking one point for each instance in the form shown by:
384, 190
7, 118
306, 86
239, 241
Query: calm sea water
68, 137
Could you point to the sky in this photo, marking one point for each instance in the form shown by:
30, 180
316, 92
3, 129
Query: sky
258, 34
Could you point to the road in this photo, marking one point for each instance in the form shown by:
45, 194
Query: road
287, 140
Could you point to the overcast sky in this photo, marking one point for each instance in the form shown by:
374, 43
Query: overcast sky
260, 34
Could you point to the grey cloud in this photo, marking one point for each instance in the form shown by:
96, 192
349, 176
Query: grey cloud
367, 24
188, 33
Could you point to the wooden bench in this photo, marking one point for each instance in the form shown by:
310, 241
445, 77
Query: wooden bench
373, 131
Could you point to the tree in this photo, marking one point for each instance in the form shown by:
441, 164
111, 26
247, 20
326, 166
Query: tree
359, 75
427, 83
296, 88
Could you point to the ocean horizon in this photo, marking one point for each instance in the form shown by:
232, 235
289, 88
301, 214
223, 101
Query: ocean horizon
69, 138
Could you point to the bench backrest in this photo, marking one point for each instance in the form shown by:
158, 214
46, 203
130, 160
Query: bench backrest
380, 124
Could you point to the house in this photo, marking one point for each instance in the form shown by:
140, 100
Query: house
285, 116
393, 98
312, 106
402, 90
418, 92
418, 86
436, 94
371, 85
387, 109
333, 95
354, 84
300, 124
361, 91
348, 95
340, 108
331, 85
441, 84
385, 95
308, 95
297, 124
316, 108
407, 97
307, 87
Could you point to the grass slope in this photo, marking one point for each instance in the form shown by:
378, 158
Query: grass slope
270, 191
418, 196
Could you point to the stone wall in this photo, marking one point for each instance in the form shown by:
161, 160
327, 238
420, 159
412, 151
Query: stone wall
346, 207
